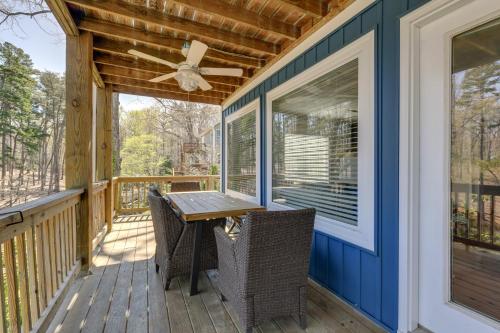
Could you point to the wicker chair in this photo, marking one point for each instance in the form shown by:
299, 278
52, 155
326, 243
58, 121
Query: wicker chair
174, 240
263, 273
184, 187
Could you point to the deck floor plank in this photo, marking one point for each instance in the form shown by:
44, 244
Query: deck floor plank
157, 308
125, 294
99, 308
138, 317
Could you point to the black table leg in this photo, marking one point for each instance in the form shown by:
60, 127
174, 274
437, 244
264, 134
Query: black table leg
195, 264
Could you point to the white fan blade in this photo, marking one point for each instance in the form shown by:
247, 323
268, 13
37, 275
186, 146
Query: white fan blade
196, 52
202, 83
163, 77
221, 71
152, 58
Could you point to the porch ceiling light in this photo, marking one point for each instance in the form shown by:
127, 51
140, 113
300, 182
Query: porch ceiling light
187, 79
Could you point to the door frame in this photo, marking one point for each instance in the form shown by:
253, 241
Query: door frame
409, 161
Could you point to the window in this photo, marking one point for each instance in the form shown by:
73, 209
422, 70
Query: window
242, 153
474, 169
321, 156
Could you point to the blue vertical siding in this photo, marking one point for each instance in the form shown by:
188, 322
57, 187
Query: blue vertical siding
365, 279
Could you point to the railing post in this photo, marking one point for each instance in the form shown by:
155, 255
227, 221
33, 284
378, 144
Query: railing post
79, 160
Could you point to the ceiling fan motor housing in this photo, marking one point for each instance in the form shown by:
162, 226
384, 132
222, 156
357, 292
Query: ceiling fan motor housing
185, 78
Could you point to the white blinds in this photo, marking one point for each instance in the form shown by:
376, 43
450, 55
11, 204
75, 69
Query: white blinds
315, 145
241, 154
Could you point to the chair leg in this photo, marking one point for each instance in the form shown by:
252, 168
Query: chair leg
303, 321
231, 227
167, 284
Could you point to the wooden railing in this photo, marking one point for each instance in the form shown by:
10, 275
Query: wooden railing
98, 228
475, 217
130, 193
38, 259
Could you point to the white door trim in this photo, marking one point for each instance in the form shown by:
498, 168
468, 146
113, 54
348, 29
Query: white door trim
409, 161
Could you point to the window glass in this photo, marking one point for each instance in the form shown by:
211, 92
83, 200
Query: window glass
315, 145
475, 169
241, 154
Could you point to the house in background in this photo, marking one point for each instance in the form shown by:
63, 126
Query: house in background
381, 114
211, 139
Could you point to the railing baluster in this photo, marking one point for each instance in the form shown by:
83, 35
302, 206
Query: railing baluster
22, 285
52, 251
467, 213
64, 250
3, 310
10, 274
41, 270
32, 276
57, 248
492, 219
47, 261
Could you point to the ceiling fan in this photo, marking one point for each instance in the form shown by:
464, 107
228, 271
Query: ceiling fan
188, 74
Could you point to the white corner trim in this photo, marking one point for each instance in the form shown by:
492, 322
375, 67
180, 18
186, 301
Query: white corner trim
352, 10
362, 49
252, 106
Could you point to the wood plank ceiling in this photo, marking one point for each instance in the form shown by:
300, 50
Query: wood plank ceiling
247, 34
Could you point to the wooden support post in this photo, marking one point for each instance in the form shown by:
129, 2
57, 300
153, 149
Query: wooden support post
107, 147
79, 159
100, 133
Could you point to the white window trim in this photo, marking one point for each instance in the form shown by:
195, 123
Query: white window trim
363, 49
252, 106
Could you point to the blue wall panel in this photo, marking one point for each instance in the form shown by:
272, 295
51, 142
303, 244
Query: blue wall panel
320, 257
352, 274
370, 284
368, 280
335, 265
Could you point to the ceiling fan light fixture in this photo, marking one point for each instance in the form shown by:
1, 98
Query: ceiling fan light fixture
186, 80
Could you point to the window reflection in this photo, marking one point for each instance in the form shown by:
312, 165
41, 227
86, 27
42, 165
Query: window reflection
475, 169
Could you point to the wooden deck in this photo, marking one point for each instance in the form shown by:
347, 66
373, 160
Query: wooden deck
124, 294
476, 281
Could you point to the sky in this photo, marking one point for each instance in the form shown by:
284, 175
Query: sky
44, 41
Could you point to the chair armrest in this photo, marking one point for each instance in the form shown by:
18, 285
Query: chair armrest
228, 273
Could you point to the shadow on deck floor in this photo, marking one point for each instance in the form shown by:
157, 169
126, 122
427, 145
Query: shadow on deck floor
124, 294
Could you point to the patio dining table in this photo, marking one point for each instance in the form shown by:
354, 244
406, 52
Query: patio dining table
198, 207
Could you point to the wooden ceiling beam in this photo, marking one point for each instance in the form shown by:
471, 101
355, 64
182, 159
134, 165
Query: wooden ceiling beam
158, 40
168, 87
240, 15
176, 24
103, 58
142, 76
63, 16
108, 70
121, 49
120, 68
314, 8
341, 5
163, 94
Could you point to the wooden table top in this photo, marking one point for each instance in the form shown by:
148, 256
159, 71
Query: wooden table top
195, 206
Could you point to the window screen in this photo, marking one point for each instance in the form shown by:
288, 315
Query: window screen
241, 154
315, 145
